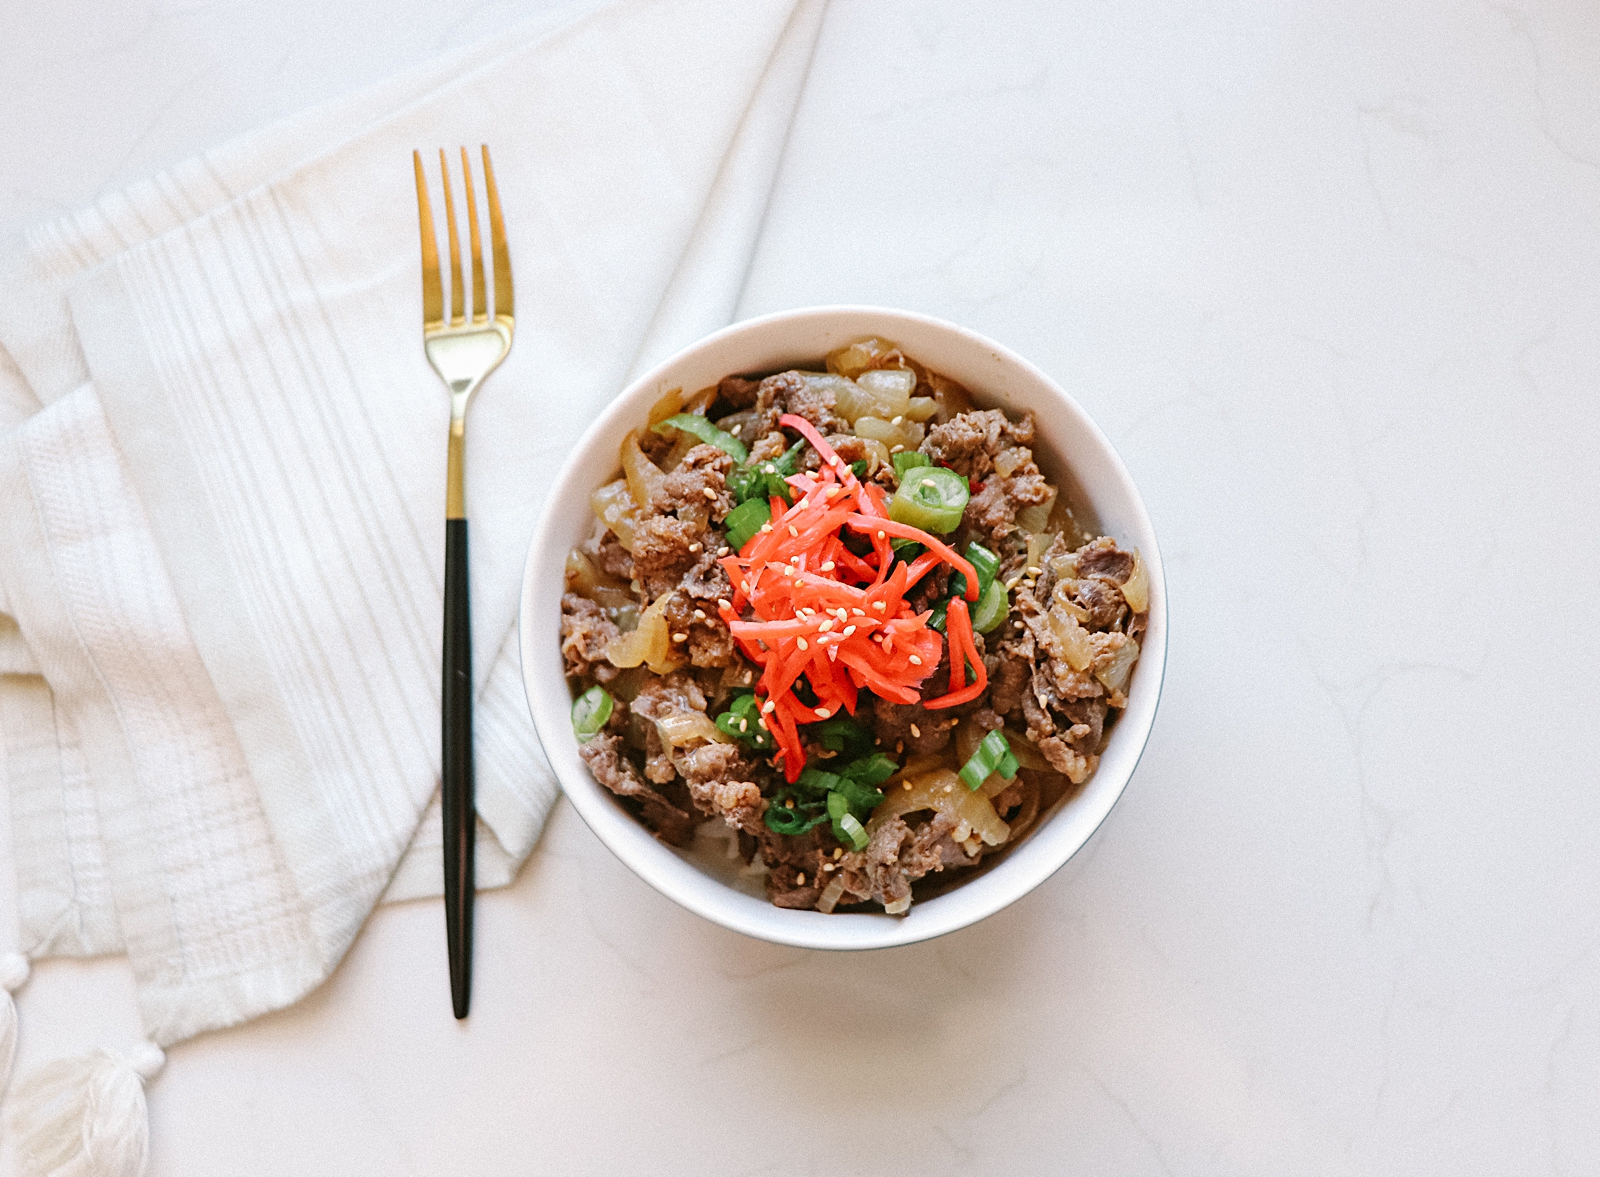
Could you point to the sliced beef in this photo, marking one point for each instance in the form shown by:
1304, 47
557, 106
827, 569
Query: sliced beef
585, 631
607, 760
708, 641
970, 442
698, 488
661, 697
790, 392
795, 877
910, 727
611, 556
722, 783
897, 856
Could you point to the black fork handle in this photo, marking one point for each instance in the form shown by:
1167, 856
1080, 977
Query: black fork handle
459, 809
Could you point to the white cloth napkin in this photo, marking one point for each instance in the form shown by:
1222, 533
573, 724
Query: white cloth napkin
222, 470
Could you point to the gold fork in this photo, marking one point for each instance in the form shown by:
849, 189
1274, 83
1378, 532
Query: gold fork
463, 351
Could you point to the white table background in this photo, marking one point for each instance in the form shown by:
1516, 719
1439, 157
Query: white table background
1329, 277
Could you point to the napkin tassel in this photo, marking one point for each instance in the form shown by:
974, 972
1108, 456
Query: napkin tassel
85, 1116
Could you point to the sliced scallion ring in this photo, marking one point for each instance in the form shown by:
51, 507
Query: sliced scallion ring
986, 760
744, 521
930, 498
590, 712
850, 832
992, 607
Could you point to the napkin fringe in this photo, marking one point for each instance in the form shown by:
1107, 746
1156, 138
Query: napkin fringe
86, 1116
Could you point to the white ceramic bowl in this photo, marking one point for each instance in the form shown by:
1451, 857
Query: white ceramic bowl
1073, 453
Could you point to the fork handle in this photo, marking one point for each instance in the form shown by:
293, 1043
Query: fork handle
460, 813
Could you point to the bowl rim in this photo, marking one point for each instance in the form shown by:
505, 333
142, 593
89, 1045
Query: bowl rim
669, 871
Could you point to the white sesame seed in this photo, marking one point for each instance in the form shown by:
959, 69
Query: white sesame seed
834, 461
916, 732
825, 626
722, 551
823, 713
896, 420
767, 527
769, 468
762, 724
801, 642
859, 612
829, 866
830, 492
695, 547
735, 430
793, 531
800, 879
915, 660
724, 603
788, 570
906, 785
744, 725
826, 566
895, 449
708, 492
881, 535
879, 606
838, 852
1033, 571
848, 630
699, 614
680, 637
768, 707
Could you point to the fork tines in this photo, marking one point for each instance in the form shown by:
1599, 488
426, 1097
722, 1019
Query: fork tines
433, 311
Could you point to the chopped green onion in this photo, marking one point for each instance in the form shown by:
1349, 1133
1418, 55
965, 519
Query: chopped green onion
931, 499
803, 817
984, 562
986, 760
789, 461
765, 480
847, 827
815, 782
870, 771
859, 467
937, 620
698, 426
992, 608
740, 721
1008, 765
862, 798
908, 460
842, 734
590, 711
744, 521
850, 832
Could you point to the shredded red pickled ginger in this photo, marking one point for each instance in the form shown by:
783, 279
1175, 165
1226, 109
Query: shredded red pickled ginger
840, 619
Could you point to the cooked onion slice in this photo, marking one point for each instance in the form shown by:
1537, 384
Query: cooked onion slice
1136, 590
943, 791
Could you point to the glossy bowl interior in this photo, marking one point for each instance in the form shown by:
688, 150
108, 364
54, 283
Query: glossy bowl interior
1072, 452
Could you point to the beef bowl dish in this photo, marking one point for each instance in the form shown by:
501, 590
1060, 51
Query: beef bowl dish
837, 616
843, 627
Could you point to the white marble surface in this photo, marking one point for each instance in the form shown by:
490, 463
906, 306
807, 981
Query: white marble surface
1327, 275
